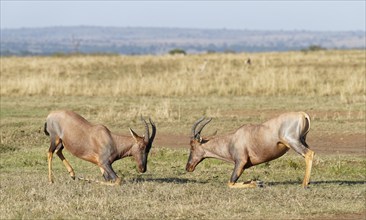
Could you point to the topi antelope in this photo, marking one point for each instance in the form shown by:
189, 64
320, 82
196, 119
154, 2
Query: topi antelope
95, 143
253, 144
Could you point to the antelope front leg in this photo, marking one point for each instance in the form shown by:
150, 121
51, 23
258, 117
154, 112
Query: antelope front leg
309, 162
250, 184
238, 170
109, 175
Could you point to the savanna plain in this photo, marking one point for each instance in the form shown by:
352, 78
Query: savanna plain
175, 91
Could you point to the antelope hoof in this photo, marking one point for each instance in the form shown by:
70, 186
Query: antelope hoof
107, 183
73, 177
230, 184
118, 182
305, 186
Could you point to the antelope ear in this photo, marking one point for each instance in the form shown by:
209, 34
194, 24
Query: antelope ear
134, 135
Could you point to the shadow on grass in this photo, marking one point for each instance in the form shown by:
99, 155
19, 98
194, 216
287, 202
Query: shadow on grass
339, 182
167, 180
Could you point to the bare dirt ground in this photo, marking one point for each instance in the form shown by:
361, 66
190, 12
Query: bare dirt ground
354, 144
338, 143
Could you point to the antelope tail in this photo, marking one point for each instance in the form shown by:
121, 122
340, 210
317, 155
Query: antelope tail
45, 129
307, 122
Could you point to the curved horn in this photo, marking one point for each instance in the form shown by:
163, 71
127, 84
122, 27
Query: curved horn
153, 128
203, 125
146, 138
153, 133
195, 125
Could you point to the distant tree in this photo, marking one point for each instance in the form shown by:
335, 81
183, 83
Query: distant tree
313, 48
177, 51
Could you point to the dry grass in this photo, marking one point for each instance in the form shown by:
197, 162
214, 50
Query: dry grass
325, 73
167, 191
175, 91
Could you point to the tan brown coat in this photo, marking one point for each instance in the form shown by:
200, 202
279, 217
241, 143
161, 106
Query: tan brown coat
94, 143
250, 145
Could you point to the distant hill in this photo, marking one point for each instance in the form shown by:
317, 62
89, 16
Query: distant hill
140, 40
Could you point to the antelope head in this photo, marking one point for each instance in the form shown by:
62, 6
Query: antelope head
197, 151
142, 145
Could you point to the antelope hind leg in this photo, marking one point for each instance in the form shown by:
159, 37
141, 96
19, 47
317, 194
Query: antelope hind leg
309, 162
66, 163
50, 155
51, 150
308, 154
55, 145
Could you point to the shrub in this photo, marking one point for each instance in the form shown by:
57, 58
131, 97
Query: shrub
177, 51
314, 48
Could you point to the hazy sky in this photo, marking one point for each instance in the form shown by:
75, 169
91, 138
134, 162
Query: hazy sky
259, 15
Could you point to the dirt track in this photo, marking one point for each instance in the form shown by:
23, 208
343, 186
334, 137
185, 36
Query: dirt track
354, 144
